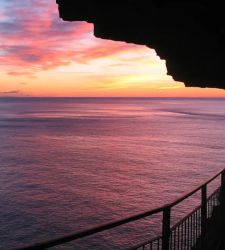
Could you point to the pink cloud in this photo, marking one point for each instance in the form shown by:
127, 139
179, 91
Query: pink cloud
35, 39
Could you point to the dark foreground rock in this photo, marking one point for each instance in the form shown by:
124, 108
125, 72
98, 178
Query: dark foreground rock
215, 231
188, 34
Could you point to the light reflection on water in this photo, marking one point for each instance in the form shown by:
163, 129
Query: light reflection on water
69, 164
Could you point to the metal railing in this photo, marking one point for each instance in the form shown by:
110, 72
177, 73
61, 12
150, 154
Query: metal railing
181, 236
185, 233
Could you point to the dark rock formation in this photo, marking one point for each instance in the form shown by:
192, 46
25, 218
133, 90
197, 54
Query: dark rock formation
188, 34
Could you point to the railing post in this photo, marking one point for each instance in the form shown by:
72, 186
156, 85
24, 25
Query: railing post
222, 199
166, 228
223, 177
204, 218
222, 190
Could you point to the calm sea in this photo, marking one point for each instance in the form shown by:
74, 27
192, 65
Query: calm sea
72, 163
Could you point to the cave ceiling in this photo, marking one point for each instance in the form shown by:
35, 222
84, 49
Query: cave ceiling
188, 35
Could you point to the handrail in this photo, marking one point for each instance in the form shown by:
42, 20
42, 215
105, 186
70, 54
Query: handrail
84, 233
172, 204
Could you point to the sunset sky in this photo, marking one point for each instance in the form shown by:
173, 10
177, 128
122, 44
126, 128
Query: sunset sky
40, 55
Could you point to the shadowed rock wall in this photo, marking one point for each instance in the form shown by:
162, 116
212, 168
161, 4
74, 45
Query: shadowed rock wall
189, 35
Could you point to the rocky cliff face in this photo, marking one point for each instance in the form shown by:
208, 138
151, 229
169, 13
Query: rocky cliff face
189, 35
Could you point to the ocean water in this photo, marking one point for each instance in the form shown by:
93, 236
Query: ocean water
68, 164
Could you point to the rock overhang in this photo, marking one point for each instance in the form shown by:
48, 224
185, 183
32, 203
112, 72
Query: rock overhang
189, 35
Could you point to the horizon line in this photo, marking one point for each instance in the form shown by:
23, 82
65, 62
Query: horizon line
144, 97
